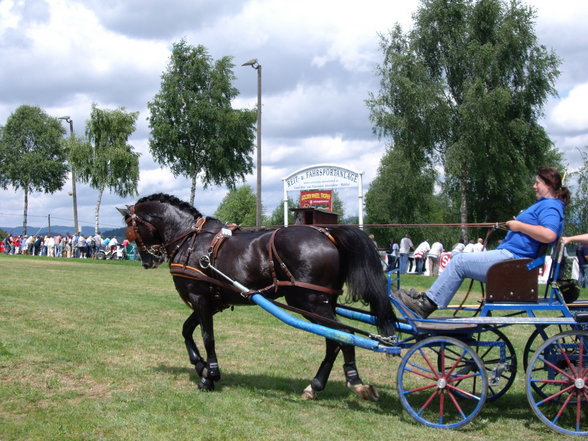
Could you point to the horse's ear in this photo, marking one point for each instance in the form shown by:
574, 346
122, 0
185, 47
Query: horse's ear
124, 211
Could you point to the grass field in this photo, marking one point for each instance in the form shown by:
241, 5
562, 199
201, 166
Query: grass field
93, 351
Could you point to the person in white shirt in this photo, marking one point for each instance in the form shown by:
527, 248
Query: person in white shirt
469, 248
433, 258
420, 254
404, 249
479, 246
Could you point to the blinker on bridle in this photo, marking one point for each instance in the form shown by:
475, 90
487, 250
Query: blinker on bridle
156, 250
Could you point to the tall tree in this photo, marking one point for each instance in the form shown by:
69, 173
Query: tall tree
32, 156
107, 160
194, 129
400, 194
464, 90
238, 207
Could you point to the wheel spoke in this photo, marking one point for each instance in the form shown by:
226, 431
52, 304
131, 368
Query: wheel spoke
435, 380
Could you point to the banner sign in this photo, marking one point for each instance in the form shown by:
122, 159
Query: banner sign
317, 199
322, 178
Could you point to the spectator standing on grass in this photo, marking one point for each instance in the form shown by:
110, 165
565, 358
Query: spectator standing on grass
58, 247
67, 249
433, 258
50, 243
106, 244
404, 249
89, 247
457, 248
30, 243
419, 255
97, 242
16, 244
470, 247
82, 247
113, 243
37, 245
479, 246
8, 244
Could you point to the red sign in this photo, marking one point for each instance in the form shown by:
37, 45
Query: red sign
444, 260
317, 199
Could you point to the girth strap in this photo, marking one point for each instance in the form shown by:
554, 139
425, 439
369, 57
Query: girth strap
273, 253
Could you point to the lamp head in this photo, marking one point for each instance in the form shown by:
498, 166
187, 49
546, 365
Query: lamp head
253, 63
65, 118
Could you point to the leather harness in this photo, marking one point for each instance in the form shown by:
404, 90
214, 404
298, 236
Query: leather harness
184, 270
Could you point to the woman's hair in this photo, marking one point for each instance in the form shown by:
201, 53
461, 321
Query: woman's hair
551, 177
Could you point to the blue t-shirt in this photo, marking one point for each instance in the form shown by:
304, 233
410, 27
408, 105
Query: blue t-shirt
547, 212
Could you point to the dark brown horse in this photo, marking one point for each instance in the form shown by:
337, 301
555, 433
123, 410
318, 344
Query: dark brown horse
306, 265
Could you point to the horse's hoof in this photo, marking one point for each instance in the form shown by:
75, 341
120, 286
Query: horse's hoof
309, 394
205, 385
365, 391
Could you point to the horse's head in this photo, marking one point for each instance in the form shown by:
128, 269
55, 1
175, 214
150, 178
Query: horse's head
141, 230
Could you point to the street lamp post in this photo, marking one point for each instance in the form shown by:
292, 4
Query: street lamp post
255, 65
73, 177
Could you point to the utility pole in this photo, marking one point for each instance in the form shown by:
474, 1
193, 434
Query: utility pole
73, 176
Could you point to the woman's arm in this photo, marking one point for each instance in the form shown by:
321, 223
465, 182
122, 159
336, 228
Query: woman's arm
582, 238
537, 232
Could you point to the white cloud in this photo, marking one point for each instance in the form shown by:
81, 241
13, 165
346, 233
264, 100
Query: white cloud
570, 112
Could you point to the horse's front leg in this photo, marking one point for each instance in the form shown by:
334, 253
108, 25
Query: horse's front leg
365, 391
211, 371
193, 353
207, 370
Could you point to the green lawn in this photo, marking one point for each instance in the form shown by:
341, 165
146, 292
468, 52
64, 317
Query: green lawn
93, 351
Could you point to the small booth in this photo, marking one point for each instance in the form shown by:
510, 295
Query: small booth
314, 216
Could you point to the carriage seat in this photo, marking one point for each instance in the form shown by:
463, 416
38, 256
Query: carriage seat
512, 281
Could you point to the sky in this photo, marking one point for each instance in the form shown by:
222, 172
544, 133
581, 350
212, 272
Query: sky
318, 61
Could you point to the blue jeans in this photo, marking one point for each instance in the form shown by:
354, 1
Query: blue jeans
461, 266
403, 263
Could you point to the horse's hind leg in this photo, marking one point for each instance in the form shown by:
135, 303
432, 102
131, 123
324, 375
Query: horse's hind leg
319, 381
207, 371
365, 391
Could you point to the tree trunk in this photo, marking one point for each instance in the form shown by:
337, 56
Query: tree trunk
193, 190
26, 207
463, 207
100, 192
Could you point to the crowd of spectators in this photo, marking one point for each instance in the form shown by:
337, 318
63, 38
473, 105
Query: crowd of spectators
68, 246
401, 257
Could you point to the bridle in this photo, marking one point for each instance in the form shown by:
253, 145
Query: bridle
158, 251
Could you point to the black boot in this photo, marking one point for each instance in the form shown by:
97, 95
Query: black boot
416, 302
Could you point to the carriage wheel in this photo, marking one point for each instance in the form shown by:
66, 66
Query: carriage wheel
499, 358
538, 337
442, 382
557, 383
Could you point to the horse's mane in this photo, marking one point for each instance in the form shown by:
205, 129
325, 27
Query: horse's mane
172, 200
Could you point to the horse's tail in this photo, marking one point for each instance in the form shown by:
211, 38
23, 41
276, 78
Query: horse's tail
363, 273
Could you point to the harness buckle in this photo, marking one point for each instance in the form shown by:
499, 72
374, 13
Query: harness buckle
204, 261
